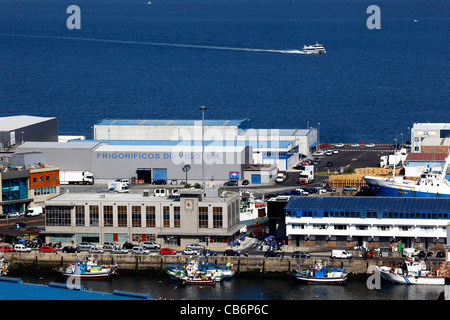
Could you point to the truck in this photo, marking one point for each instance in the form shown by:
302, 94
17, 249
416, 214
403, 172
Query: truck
397, 158
76, 177
307, 175
340, 254
117, 186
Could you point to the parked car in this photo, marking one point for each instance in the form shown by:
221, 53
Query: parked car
329, 152
167, 251
151, 245
257, 231
423, 254
300, 254
128, 245
69, 249
108, 245
354, 145
329, 189
84, 246
245, 182
349, 188
271, 253
329, 164
440, 254
189, 252
21, 248
370, 145
230, 252
208, 253
318, 153
118, 250
160, 181
6, 248
47, 249
339, 145
95, 250
231, 184
195, 246
139, 250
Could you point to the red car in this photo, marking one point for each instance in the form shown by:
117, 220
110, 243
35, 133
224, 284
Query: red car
167, 251
47, 249
258, 231
6, 248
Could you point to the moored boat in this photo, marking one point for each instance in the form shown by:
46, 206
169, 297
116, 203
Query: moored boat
321, 274
416, 273
253, 211
4, 266
88, 269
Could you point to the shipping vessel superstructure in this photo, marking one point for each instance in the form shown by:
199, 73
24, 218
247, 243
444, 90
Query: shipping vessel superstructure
431, 183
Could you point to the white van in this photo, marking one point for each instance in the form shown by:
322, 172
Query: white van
35, 211
21, 248
340, 254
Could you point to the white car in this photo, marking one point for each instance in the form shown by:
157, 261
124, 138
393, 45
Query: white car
318, 153
329, 152
139, 250
354, 145
95, 250
118, 250
195, 246
370, 145
339, 145
190, 252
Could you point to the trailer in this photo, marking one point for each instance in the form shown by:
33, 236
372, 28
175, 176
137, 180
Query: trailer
76, 177
118, 186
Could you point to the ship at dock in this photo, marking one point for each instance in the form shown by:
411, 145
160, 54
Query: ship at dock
432, 183
253, 210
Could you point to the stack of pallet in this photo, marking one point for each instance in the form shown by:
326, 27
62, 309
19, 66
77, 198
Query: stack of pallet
356, 180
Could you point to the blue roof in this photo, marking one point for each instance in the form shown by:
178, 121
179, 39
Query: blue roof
228, 143
369, 204
168, 122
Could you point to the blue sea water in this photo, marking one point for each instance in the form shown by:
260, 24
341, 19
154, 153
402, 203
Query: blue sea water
164, 60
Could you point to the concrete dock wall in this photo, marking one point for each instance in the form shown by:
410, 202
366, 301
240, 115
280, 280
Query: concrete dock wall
157, 263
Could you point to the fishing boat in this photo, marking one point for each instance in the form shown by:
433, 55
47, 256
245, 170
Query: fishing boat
195, 267
314, 49
253, 211
88, 269
227, 271
416, 273
4, 266
321, 274
199, 278
432, 183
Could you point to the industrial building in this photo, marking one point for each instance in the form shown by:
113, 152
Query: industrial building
281, 147
15, 130
430, 138
372, 222
177, 219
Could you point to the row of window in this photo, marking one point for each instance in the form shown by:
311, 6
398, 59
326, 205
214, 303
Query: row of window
47, 178
369, 214
365, 227
61, 216
44, 190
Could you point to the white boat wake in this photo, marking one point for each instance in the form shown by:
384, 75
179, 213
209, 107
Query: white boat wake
162, 44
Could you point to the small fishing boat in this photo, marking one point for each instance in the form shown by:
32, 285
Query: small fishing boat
416, 273
321, 274
88, 269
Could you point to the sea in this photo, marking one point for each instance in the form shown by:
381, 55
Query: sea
163, 59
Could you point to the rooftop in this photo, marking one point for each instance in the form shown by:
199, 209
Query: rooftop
170, 122
426, 157
369, 204
17, 122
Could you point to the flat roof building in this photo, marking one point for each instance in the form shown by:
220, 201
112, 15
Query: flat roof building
175, 220
374, 222
430, 138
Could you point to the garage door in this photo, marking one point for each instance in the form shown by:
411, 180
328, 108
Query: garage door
256, 178
159, 174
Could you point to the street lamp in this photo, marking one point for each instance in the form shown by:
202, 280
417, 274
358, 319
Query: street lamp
203, 109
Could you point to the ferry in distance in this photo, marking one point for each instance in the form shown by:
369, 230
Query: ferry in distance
314, 49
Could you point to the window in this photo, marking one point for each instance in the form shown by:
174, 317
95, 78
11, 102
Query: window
203, 217
340, 227
107, 216
176, 217
217, 217
135, 216
122, 216
79, 216
150, 216
94, 216
166, 217
57, 216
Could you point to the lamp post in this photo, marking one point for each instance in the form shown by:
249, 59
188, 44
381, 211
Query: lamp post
203, 109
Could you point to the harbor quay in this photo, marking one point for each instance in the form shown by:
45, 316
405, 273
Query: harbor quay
242, 264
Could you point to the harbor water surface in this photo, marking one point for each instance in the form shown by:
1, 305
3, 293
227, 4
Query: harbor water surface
245, 287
